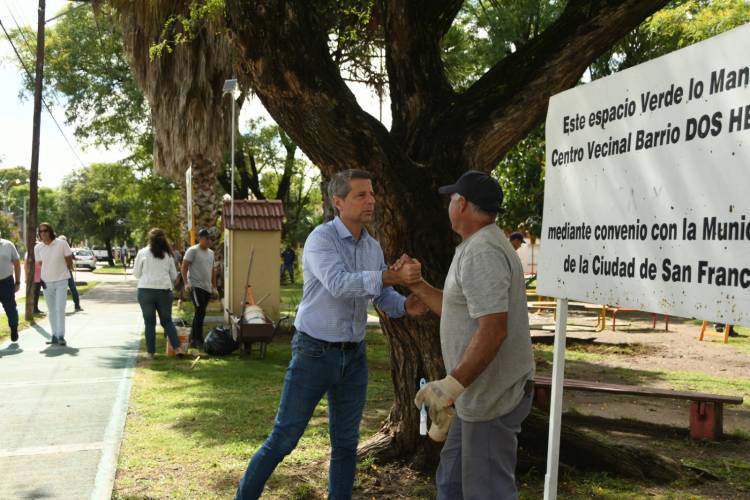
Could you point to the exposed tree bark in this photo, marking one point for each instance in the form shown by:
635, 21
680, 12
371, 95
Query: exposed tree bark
437, 133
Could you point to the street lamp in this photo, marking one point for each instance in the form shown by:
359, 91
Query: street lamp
231, 88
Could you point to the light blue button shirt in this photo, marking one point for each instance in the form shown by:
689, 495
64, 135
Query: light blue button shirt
341, 276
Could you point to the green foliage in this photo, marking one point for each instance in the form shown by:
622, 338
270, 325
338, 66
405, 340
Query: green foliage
486, 31
521, 175
9, 229
680, 24
181, 28
85, 66
98, 202
156, 204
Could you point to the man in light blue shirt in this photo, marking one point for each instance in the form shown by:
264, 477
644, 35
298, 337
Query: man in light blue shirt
344, 269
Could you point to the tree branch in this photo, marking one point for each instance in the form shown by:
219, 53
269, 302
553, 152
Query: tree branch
286, 61
418, 84
511, 98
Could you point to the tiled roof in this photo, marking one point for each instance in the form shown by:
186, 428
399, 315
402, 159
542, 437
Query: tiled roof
254, 215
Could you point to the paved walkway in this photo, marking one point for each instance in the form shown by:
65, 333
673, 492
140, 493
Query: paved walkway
62, 409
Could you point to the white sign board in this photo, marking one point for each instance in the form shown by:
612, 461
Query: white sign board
647, 195
189, 194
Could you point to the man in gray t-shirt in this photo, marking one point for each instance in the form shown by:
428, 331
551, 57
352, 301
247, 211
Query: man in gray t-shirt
199, 276
486, 345
10, 282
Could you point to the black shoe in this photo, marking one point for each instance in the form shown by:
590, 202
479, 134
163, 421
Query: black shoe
62, 342
53, 340
79, 309
38, 311
13, 336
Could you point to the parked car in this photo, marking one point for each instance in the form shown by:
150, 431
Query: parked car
101, 253
84, 258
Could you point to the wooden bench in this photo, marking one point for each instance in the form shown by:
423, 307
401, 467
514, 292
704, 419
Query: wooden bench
706, 410
599, 309
616, 309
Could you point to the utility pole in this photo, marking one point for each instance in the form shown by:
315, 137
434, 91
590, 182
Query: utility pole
31, 221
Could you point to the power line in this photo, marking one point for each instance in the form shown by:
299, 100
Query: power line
46, 106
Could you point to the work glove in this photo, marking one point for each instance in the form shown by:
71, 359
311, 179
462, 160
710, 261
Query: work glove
441, 424
439, 395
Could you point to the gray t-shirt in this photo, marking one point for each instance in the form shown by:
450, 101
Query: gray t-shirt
201, 267
8, 256
486, 277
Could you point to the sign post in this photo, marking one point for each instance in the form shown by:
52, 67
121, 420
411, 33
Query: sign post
646, 203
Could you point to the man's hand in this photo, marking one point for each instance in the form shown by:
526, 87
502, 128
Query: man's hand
188, 286
409, 271
439, 395
214, 293
18, 286
414, 306
441, 424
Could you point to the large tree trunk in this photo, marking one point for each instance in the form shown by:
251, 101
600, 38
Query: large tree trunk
183, 86
436, 133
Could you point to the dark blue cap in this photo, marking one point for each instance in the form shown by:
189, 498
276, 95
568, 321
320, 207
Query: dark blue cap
479, 188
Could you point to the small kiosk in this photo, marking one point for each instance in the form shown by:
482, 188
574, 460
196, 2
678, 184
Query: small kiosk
252, 243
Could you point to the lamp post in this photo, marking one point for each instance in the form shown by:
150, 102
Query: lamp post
231, 88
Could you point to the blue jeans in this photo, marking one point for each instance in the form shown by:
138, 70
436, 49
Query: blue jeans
8, 299
153, 300
74, 291
316, 368
56, 294
478, 460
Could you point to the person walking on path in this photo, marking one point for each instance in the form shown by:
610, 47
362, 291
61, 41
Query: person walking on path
56, 259
289, 257
486, 345
10, 283
124, 255
72, 286
156, 273
344, 269
199, 276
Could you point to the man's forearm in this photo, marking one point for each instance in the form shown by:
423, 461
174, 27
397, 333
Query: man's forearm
431, 296
480, 352
17, 266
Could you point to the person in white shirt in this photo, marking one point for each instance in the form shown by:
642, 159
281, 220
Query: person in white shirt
156, 273
56, 259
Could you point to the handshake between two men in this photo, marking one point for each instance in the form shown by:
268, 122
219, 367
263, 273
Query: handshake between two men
438, 396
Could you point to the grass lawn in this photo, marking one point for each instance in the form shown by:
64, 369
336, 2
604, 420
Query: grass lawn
191, 431
109, 270
22, 323
582, 355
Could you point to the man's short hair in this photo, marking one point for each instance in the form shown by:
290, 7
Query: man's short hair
340, 184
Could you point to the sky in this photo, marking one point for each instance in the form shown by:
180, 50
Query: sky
56, 157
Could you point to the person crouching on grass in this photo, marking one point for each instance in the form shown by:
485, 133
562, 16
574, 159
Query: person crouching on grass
156, 273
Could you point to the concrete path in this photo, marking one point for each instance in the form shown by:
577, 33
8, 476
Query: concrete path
62, 409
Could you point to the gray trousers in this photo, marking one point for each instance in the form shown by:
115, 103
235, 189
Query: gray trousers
478, 461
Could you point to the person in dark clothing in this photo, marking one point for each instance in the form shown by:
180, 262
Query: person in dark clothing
10, 282
199, 275
72, 286
289, 257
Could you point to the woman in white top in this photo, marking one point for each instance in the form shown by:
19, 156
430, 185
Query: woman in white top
156, 272
56, 259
